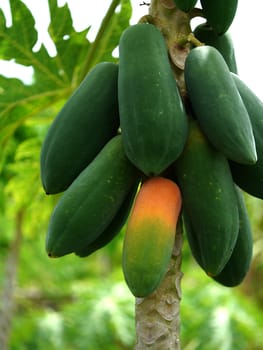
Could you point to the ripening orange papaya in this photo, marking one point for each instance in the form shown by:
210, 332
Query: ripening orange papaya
150, 234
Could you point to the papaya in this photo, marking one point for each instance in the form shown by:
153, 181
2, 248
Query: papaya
238, 265
223, 43
88, 119
250, 177
192, 239
218, 106
185, 5
219, 13
113, 228
152, 117
91, 202
150, 234
209, 201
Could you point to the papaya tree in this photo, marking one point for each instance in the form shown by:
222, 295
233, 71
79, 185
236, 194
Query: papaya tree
162, 141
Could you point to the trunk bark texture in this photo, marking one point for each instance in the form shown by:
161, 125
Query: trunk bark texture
158, 315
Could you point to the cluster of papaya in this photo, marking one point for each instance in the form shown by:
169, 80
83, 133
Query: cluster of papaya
99, 155
127, 147
218, 13
223, 152
83, 157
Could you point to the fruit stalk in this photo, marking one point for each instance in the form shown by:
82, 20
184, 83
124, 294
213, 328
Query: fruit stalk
158, 315
175, 26
94, 47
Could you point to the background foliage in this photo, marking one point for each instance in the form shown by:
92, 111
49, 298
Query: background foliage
74, 303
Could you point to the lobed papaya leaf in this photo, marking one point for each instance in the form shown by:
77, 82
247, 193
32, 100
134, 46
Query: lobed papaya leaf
19, 102
17, 40
53, 76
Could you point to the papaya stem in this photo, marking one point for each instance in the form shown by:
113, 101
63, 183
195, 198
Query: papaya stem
94, 46
147, 19
196, 12
190, 38
176, 28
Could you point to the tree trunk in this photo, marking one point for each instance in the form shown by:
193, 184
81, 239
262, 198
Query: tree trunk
7, 295
158, 315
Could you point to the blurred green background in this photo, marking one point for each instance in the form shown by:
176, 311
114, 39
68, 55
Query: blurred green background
83, 303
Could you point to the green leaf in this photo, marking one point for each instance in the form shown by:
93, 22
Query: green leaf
55, 78
20, 102
71, 46
18, 40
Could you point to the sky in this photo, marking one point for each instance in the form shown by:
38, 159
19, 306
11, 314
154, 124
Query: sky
246, 31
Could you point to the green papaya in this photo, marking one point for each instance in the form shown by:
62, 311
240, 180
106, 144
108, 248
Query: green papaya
91, 202
192, 239
218, 106
152, 117
83, 126
238, 265
185, 5
250, 177
219, 13
113, 228
223, 43
209, 201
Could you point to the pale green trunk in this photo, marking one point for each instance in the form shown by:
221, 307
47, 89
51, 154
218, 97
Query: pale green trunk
158, 315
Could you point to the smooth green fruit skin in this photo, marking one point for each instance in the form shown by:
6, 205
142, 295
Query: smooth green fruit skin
209, 201
145, 268
113, 228
152, 117
223, 43
86, 122
91, 202
250, 177
238, 265
192, 239
219, 13
218, 106
185, 5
